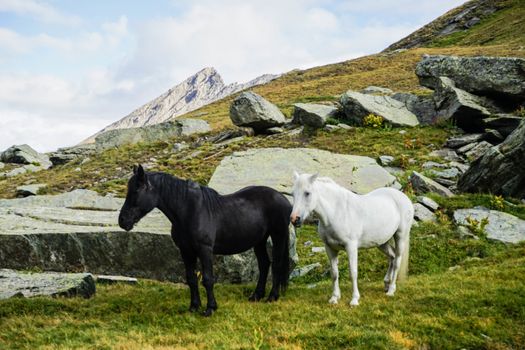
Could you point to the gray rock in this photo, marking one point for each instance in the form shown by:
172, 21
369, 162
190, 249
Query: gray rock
445, 182
105, 279
395, 171
431, 165
68, 154
422, 213
488, 76
304, 270
460, 166
274, 167
501, 170
466, 109
45, 284
505, 124
331, 128
466, 148
314, 115
250, 109
274, 130
318, 249
357, 106
493, 136
459, 141
450, 173
478, 150
447, 154
501, 226
157, 132
376, 90
29, 190
427, 202
179, 146
386, 160
423, 107
78, 231
23, 154
345, 126
423, 184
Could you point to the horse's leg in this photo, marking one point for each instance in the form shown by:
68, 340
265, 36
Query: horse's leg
390, 254
334, 271
206, 257
401, 238
263, 261
190, 263
351, 250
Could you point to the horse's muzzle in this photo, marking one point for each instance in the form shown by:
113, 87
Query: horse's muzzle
296, 221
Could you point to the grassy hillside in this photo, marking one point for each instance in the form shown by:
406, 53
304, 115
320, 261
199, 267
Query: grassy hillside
461, 294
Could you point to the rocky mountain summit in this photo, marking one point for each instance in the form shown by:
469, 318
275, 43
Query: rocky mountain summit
200, 89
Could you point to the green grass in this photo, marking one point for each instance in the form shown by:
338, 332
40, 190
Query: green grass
480, 304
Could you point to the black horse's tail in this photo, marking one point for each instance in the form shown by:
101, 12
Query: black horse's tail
281, 259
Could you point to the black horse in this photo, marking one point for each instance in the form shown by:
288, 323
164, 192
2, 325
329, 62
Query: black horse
206, 223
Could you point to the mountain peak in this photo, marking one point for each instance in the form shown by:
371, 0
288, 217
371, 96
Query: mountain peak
200, 89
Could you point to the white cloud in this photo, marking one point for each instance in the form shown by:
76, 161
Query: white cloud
242, 39
39, 10
110, 36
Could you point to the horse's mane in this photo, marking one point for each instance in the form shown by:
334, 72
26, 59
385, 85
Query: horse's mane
174, 187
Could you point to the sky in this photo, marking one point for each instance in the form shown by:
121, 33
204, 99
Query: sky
69, 68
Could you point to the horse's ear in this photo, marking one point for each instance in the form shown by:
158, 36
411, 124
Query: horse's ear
141, 175
313, 177
295, 175
134, 169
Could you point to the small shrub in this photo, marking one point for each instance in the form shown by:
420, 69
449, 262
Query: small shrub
441, 217
373, 121
497, 203
332, 121
477, 227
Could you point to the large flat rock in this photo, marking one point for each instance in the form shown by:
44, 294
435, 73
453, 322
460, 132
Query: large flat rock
501, 226
17, 284
78, 231
274, 167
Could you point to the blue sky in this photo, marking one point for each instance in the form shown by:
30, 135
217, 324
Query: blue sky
69, 68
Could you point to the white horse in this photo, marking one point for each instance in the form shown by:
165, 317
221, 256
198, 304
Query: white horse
350, 221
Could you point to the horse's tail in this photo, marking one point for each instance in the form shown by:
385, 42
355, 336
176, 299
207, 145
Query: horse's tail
408, 221
281, 259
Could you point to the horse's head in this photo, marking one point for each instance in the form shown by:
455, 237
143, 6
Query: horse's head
304, 197
140, 199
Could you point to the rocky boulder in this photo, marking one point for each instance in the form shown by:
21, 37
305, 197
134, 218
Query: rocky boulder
500, 170
157, 132
423, 107
78, 231
24, 154
501, 226
252, 110
67, 154
505, 124
499, 77
17, 284
357, 106
423, 184
274, 167
29, 190
314, 115
466, 109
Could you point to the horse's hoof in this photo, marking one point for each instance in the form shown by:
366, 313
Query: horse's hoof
272, 298
255, 297
354, 302
194, 308
387, 287
208, 313
390, 294
333, 300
